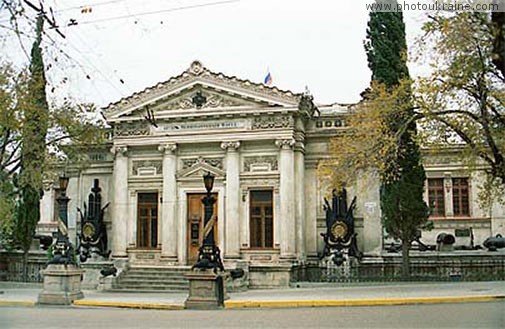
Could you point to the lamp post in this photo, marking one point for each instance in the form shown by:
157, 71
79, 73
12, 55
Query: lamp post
209, 255
62, 248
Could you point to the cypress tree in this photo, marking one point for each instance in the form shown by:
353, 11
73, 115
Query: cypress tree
34, 131
402, 205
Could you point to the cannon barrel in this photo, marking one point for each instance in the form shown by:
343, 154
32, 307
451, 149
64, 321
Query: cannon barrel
496, 242
108, 271
446, 238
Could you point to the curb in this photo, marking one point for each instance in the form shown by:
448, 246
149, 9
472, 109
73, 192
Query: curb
17, 303
358, 302
155, 306
237, 304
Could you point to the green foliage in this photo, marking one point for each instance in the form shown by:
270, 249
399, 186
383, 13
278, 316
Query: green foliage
386, 47
7, 207
402, 205
26, 217
461, 103
33, 136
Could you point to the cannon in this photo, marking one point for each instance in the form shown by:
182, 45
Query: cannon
445, 242
45, 241
494, 243
107, 271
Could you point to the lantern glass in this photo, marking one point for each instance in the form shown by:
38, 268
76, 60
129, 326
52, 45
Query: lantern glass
63, 182
208, 181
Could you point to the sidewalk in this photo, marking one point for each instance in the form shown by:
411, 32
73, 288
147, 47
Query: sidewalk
306, 295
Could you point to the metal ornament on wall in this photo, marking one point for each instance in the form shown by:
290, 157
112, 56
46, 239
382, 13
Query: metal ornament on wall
340, 234
93, 237
199, 99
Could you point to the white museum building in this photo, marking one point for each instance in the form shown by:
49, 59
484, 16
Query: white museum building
263, 146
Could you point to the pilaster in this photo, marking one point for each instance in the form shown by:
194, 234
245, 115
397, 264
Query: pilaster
232, 227
169, 229
120, 203
287, 197
299, 154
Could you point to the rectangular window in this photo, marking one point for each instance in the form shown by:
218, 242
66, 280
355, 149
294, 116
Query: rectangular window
460, 197
436, 197
147, 220
261, 219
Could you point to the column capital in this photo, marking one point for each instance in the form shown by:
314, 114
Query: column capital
167, 148
231, 146
285, 144
119, 150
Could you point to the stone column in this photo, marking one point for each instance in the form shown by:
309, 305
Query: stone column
169, 206
120, 202
232, 227
287, 197
300, 198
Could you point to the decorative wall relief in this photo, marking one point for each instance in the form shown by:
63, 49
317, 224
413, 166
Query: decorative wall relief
269, 122
214, 162
261, 163
140, 128
147, 167
201, 99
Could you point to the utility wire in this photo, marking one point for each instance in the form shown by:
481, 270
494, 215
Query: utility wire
158, 11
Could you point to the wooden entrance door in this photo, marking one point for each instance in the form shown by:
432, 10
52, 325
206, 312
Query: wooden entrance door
195, 224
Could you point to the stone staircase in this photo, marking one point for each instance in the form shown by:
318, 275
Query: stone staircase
152, 279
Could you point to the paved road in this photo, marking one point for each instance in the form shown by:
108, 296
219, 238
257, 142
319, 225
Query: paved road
461, 315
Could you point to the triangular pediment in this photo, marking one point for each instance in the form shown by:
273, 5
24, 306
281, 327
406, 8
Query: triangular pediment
198, 90
199, 169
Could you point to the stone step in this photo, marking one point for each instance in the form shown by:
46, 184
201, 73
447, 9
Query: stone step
150, 287
132, 290
146, 273
152, 279
128, 279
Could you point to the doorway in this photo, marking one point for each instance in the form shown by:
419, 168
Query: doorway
195, 224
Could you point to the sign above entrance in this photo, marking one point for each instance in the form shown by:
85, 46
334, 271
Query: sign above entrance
243, 124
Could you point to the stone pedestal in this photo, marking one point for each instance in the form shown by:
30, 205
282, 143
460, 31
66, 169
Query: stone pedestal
206, 290
62, 285
92, 273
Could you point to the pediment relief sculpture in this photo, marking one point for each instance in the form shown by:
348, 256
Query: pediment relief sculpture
201, 99
197, 167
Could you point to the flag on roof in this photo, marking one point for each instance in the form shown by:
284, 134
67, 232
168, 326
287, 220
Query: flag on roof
268, 79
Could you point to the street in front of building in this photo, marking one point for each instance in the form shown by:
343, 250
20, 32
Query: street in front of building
460, 315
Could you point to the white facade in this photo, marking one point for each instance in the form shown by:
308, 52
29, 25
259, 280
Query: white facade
253, 138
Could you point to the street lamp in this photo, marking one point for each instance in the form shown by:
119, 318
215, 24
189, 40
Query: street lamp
62, 248
209, 255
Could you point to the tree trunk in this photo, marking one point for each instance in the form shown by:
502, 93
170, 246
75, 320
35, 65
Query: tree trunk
25, 266
406, 260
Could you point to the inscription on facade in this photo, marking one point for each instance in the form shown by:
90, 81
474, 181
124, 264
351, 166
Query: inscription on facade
203, 125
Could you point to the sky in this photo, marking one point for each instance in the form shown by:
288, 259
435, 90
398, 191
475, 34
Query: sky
123, 46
